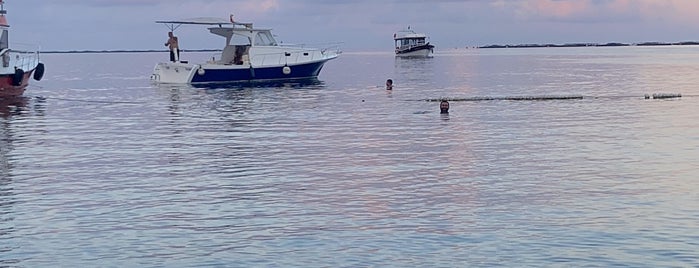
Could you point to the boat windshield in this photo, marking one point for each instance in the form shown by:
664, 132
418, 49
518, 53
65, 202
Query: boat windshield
4, 41
265, 39
412, 42
237, 39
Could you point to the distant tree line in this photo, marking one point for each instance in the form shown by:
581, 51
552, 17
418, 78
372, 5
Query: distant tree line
687, 43
127, 51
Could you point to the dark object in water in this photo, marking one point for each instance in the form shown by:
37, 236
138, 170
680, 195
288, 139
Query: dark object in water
513, 98
666, 95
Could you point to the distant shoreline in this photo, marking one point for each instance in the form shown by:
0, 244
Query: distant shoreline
125, 51
688, 43
647, 44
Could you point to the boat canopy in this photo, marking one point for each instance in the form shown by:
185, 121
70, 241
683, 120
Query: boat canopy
408, 34
229, 29
413, 35
174, 24
255, 37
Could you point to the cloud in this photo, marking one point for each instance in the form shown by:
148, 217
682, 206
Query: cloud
361, 24
595, 11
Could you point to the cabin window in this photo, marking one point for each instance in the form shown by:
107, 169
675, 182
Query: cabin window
4, 41
237, 39
265, 39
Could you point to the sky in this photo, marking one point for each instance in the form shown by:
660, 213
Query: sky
360, 25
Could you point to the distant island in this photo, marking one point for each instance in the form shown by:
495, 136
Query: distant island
127, 51
688, 43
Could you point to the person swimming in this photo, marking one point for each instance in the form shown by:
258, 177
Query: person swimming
389, 84
444, 107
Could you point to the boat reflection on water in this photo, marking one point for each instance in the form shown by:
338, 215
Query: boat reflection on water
186, 100
421, 72
10, 106
296, 83
19, 105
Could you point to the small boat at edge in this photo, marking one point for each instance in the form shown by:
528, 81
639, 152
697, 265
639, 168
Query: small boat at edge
19, 64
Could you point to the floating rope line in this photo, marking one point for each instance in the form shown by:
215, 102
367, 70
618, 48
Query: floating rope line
554, 97
664, 96
515, 98
89, 101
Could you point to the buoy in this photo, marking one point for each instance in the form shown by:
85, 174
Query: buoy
39, 72
201, 71
18, 77
286, 70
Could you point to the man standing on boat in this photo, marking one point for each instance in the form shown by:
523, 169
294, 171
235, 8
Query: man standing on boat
174, 47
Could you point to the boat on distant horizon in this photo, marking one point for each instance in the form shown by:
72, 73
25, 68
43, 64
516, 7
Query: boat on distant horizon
249, 54
19, 64
411, 44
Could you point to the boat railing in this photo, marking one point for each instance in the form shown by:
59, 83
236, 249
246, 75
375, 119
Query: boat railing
322, 46
333, 48
297, 53
24, 56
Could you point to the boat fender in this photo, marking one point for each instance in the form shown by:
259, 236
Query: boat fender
39, 72
201, 71
18, 77
286, 70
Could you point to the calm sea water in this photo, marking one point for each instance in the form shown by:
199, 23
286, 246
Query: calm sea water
100, 168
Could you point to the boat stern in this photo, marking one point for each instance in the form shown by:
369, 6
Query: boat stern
173, 72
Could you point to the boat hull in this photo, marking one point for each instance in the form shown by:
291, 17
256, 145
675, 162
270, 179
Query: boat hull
307, 70
7, 89
418, 51
215, 73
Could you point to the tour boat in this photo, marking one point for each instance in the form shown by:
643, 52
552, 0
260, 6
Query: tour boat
249, 54
19, 64
411, 44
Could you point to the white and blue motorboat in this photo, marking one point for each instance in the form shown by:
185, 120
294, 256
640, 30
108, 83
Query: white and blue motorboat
411, 44
250, 54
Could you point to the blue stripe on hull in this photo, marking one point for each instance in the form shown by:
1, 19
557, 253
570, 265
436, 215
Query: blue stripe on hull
267, 73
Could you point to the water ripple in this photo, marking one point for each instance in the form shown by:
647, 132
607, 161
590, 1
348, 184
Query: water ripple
340, 172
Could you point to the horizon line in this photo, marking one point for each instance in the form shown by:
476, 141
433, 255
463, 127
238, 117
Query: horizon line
530, 45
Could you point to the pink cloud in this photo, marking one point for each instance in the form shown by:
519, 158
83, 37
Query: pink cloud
677, 10
665, 10
555, 8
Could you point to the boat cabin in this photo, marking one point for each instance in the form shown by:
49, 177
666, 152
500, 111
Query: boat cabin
239, 41
410, 41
